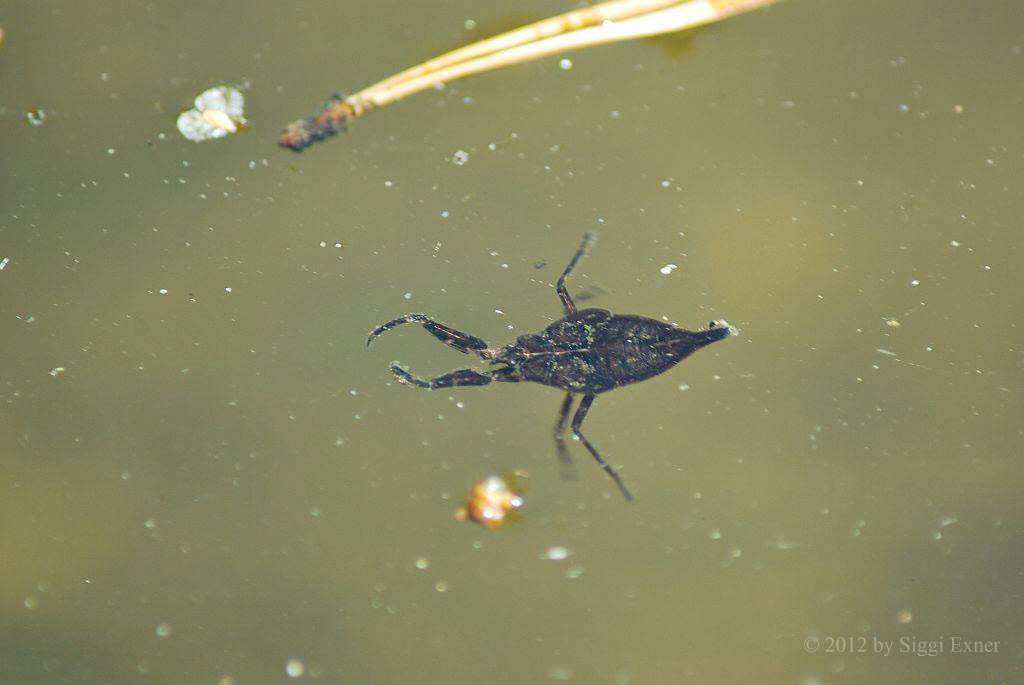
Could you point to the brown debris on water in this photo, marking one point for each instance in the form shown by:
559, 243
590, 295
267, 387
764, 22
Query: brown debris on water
332, 118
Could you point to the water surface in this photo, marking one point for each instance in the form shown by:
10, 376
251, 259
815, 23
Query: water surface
207, 478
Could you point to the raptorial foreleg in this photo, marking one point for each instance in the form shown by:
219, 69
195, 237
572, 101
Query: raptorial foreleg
448, 380
463, 342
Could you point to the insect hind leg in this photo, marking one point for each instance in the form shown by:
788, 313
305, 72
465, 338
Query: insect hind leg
577, 422
463, 342
448, 380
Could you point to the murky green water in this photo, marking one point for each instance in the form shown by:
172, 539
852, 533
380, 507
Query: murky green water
206, 477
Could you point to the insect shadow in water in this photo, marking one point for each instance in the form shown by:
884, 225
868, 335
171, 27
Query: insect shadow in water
587, 352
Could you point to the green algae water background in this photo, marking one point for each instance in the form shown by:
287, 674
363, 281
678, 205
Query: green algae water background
205, 476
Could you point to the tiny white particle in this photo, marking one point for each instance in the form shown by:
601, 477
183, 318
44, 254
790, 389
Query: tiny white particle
323, 243
565, 63
36, 117
668, 268
163, 291
954, 243
460, 157
163, 629
560, 673
555, 553
57, 370
684, 387
915, 282
111, 151
294, 668
407, 296
227, 289
389, 184
4, 262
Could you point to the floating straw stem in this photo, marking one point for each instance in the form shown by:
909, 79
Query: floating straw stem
605, 23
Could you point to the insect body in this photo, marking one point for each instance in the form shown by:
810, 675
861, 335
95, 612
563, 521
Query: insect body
588, 352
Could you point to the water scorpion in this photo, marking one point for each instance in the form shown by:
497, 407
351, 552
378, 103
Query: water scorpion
587, 352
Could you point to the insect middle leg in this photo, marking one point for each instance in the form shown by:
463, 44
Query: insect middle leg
577, 421
463, 342
563, 418
563, 294
448, 380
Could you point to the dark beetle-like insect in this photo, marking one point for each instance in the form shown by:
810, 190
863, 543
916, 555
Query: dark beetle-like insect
587, 352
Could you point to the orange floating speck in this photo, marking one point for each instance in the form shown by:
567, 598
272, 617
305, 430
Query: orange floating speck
493, 501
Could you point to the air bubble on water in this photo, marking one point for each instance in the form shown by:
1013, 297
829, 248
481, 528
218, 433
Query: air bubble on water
163, 629
294, 668
565, 63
